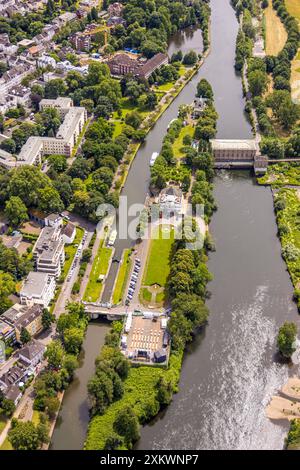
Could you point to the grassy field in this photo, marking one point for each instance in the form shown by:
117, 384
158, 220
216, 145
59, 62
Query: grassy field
3, 422
178, 144
293, 7
118, 128
276, 35
122, 277
282, 174
158, 262
70, 250
100, 267
6, 445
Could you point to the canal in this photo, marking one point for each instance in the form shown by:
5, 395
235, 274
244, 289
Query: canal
71, 425
229, 372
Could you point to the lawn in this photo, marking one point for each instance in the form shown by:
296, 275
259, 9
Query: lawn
6, 445
158, 263
127, 107
178, 144
123, 273
70, 250
35, 417
3, 422
276, 34
99, 268
118, 128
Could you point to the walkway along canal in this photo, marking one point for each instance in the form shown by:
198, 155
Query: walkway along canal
229, 372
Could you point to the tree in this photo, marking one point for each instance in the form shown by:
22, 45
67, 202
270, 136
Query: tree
258, 81
7, 407
25, 336
15, 211
127, 425
55, 354
286, 339
86, 255
51, 406
24, 435
49, 200
204, 89
133, 119
7, 287
47, 319
190, 58
73, 339
55, 88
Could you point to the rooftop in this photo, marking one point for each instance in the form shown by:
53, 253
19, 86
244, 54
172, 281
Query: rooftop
34, 284
233, 144
31, 350
20, 316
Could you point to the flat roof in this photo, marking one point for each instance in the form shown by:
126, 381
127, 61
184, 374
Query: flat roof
35, 283
234, 144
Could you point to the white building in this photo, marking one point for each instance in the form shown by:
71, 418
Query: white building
63, 144
61, 104
13, 77
38, 288
46, 61
48, 251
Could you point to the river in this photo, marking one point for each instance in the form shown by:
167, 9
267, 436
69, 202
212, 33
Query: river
229, 372
71, 426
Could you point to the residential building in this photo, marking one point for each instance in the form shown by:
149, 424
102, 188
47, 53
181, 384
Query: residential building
115, 9
65, 18
81, 42
61, 104
32, 354
7, 160
123, 64
19, 95
48, 251
53, 220
14, 76
38, 288
199, 105
12, 377
69, 233
20, 316
46, 61
63, 144
115, 21
7, 333
170, 201
152, 64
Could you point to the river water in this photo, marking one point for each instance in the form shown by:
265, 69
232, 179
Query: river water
230, 371
73, 419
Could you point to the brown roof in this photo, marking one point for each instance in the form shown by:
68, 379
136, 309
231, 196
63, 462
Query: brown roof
152, 64
68, 230
31, 350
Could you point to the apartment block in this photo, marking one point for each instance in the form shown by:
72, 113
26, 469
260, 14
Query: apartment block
38, 288
48, 251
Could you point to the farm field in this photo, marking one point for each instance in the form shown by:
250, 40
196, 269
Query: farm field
276, 35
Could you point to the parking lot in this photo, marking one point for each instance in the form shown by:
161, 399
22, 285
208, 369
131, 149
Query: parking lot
133, 281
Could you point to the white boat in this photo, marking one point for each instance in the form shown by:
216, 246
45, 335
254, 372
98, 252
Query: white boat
153, 158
